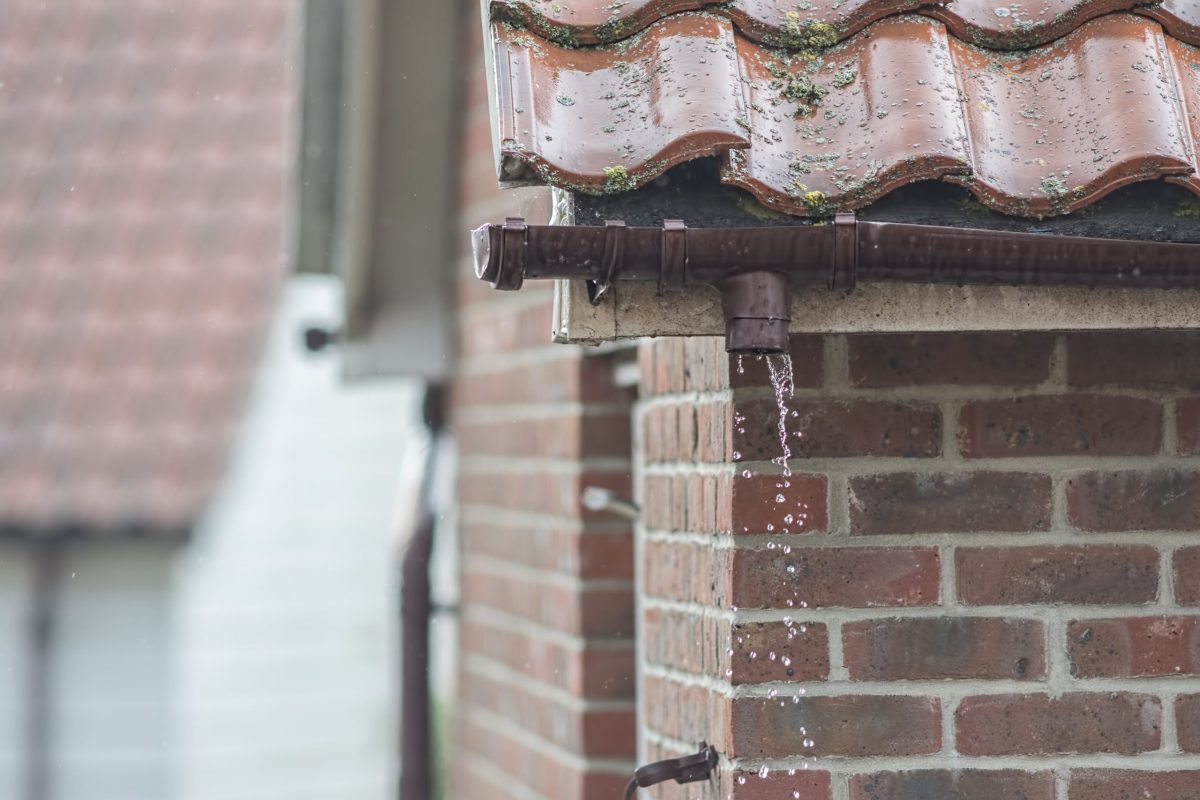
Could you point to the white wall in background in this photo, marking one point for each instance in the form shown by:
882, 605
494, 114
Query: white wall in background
288, 595
110, 687
15, 580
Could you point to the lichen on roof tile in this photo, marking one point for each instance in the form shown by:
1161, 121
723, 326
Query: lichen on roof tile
843, 129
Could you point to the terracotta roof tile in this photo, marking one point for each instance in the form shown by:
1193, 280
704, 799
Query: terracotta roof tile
993, 23
1033, 133
142, 154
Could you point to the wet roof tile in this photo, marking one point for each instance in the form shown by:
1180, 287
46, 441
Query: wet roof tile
142, 155
798, 25
1036, 132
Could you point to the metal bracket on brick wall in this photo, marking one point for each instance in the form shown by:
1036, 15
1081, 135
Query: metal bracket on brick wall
686, 769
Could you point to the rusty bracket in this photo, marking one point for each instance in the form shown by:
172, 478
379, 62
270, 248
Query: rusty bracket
687, 769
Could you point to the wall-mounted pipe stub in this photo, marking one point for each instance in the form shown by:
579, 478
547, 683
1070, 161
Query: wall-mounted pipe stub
756, 268
757, 308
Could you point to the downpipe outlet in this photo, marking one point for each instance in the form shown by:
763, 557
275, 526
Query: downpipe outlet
757, 308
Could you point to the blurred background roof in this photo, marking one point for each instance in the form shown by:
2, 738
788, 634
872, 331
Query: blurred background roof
142, 166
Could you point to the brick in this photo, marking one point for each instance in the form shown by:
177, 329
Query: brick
953, 784
537, 490
938, 648
808, 365
968, 502
506, 330
1128, 784
1134, 647
1149, 359
705, 364
601, 732
1187, 412
578, 553
838, 429
564, 379
777, 785
567, 437
683, 571
688, 502
1080, 575
1040, 725
582, 611
1135, 500
534, 766
777, 651
685, 641
958, 358
1063, 425
1187, 576
685, 711
1187, 721
858, 577
855, 726
714, 432
601, 673
758, 509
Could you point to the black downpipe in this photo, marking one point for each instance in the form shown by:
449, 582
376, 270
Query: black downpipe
43, 614
416, 606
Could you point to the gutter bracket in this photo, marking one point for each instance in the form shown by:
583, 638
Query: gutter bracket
614, 256
511, 274
844, 276
672, 276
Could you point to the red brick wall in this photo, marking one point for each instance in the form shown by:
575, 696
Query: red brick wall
545, 706
1000, 562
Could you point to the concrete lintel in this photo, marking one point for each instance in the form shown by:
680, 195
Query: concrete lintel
636, 310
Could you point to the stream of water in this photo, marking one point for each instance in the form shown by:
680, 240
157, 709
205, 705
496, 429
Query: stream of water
787, 520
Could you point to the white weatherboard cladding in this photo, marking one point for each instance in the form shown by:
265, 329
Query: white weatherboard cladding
287, 607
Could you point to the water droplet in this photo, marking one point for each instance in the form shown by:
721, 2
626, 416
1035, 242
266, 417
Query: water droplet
787, 662
791, 568
741, 778
753, 655
737, 456
764, 771
745, 473
808, 743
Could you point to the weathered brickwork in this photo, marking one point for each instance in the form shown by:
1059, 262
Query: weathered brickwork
994, 593
545, 707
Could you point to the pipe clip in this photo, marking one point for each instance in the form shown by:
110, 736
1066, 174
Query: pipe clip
511, 272
614, 256
672, 275
844, 276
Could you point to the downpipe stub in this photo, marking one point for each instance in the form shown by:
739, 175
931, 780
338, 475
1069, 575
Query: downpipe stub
757, 308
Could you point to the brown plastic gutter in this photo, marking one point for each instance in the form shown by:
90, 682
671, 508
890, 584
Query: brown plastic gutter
755, 269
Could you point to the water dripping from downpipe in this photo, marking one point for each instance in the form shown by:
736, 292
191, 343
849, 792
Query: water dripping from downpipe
786, 520
783, 381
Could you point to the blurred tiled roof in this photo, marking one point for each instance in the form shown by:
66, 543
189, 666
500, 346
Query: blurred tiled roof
1039, 107
142, 161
